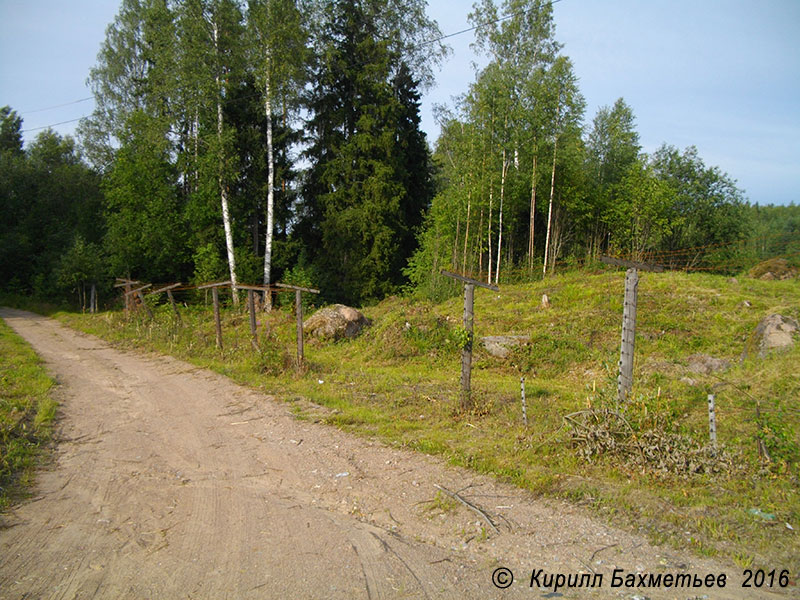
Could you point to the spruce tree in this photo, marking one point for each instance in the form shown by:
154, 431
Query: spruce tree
369, 179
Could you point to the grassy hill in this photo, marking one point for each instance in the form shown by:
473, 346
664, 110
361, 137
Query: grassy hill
645, 466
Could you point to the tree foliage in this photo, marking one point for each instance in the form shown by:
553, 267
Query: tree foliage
369, 181
262, 140
50, 198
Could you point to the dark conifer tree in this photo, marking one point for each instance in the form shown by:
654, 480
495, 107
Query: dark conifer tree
369, 179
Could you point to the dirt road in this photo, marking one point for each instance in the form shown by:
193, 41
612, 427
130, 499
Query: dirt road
170, 481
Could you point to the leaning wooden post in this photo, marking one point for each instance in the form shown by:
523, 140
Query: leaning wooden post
251, 305
298, 303
174, 307
217, 322
168, 289
469, 317
144, 303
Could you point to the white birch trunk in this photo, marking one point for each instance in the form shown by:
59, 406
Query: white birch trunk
490, 233
550, 210
466, 234
531, 231
270, 192
454, 260
500, 223
223, 188
196, 132
479, 237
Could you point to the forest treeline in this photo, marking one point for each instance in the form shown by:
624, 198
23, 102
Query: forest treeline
280, 140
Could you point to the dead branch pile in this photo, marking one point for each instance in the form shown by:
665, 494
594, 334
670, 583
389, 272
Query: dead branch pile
605, 433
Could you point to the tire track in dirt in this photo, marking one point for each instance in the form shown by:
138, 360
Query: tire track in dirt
172, 482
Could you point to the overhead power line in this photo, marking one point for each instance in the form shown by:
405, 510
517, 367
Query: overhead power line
51, 125
420, 45
478, 26
28, 112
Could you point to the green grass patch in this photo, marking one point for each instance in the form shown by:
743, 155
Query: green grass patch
649, 471
26, 414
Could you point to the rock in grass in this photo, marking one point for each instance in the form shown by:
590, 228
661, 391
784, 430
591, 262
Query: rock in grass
775, 332
501, 345
774, 268
336, 322
705, 364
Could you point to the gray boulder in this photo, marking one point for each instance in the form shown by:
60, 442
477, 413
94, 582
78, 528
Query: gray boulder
774, 332
501, 345
704, 364
336, 322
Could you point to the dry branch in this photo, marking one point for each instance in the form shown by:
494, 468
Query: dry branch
470, 506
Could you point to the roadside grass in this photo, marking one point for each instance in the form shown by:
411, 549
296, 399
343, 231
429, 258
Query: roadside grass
399, 382
26, 415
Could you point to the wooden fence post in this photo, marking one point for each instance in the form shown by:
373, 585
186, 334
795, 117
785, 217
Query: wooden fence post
469, 317
298, 302
128, 297
138, 293
174, 307
217, 322
215, 297
625, 379
251, 308
144, 303
466, 350
168, 289
251, 305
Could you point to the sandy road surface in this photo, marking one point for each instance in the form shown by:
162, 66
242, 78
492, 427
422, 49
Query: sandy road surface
172, 482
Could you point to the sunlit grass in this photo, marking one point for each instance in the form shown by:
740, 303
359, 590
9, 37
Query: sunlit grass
26, 413
399, 382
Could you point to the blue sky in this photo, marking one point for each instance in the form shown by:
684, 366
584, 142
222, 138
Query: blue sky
723, 75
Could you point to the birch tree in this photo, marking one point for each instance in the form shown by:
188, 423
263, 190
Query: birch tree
566, 110
225, 21
522, 47
612, 149
278, 46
